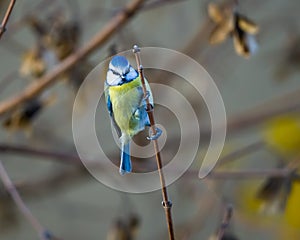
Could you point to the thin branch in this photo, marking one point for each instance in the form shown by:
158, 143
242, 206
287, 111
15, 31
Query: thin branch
285, 172
225, 223
75, 160
293, 165
284, 104
148, 5
263, 112
66, 158
158, 3
166, 202
11, 189
22, 21
243, 174
61, 157
241, 152
100, 38
6, 17
52, 183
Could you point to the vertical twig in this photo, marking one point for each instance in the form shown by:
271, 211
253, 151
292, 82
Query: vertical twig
11, 189
167, 204
225, 223
6, 17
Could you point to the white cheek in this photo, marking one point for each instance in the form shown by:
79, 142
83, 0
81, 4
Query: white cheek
112, 79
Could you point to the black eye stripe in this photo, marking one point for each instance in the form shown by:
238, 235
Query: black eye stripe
114, 72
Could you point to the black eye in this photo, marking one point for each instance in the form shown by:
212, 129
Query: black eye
114, 72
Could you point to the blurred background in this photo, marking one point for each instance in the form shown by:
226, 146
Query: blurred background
251, 50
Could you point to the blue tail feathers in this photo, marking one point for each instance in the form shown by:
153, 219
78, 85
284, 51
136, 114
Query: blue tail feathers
125, 165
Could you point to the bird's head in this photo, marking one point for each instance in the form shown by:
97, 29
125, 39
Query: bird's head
120, 71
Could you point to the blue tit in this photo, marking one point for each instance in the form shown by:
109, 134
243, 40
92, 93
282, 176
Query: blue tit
126, 104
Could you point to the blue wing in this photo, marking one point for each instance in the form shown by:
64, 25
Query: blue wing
140, 112
109, 106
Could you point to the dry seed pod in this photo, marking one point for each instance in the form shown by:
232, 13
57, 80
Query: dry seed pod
228, 22
22, 117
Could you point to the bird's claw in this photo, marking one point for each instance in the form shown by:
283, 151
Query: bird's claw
154, 136
146, 96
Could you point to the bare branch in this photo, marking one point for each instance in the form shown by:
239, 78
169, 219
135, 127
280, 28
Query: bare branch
243, 174
158, 3
166, 202
241, 152
61, 157
11, 189
6, 17
225, 222
38, 86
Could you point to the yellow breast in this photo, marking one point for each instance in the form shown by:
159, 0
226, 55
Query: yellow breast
125, 100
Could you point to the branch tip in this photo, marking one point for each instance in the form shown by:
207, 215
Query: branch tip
136, 49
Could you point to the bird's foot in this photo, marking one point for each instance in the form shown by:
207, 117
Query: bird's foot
146, 96
155, 136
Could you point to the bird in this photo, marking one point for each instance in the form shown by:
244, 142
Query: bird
126, 104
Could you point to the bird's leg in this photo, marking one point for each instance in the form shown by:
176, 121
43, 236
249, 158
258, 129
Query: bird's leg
156, 135
146, 96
